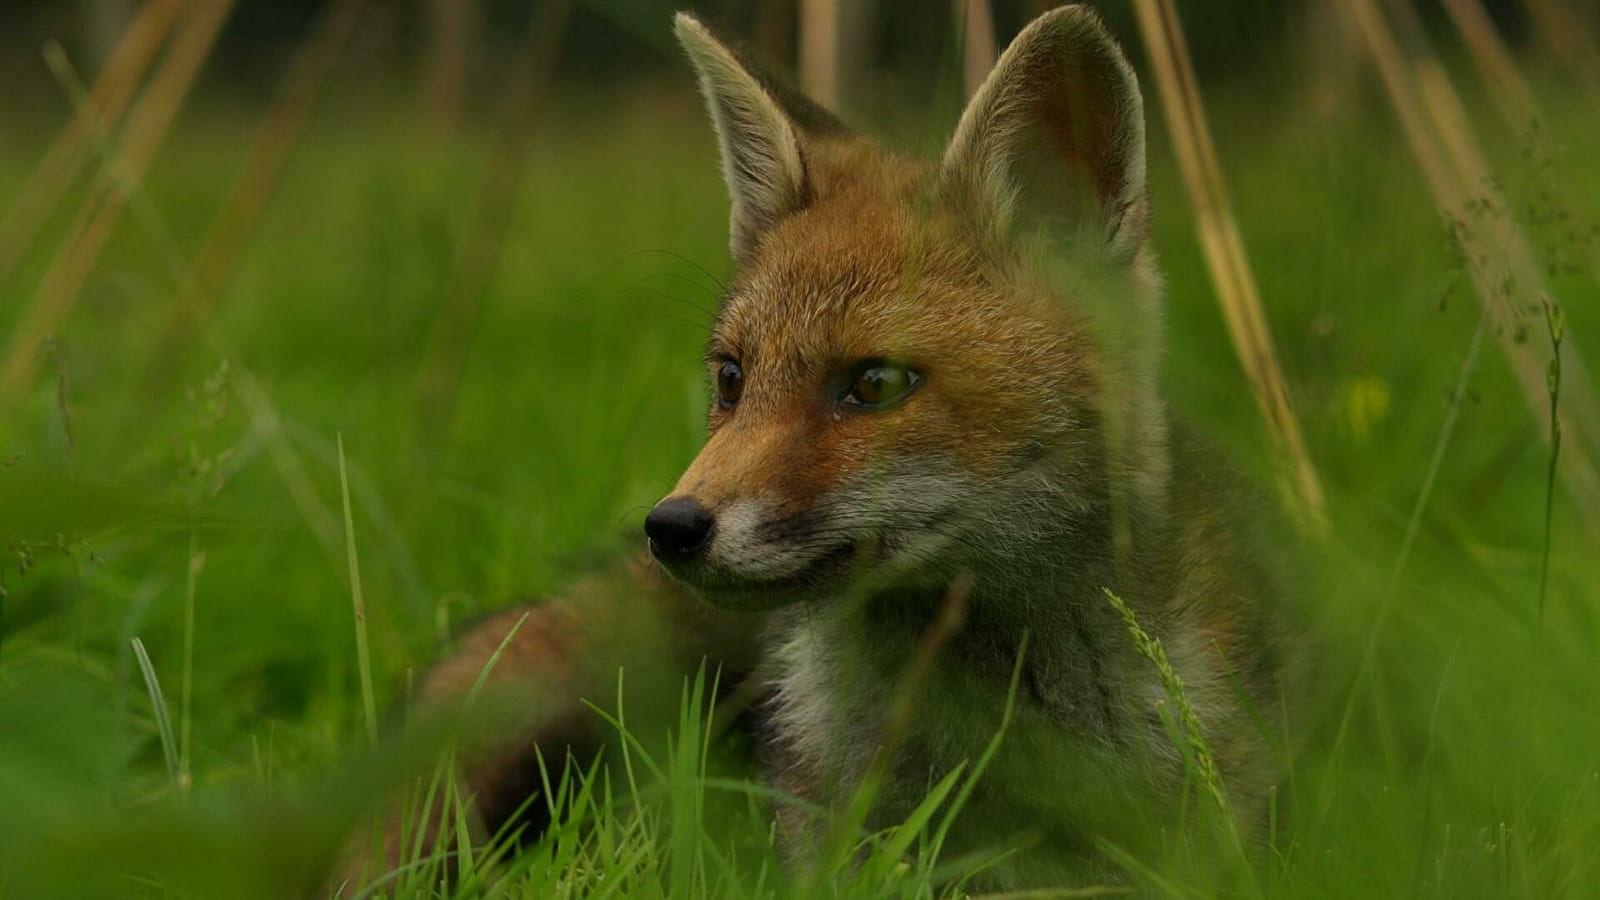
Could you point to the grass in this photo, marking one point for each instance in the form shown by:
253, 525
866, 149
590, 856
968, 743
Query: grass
1446, 747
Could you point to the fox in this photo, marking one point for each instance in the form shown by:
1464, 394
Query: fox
936, 441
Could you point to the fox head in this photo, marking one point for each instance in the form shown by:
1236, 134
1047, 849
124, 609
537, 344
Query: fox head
923, 368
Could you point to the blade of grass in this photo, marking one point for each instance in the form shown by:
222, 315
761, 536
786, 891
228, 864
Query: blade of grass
1007, 715
1469, 364
158, 703
843, 833
1556, 323
359, 605
191, 582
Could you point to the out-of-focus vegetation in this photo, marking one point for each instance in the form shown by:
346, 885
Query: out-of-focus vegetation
514, 373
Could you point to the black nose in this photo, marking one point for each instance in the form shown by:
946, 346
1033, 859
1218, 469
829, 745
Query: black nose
678, 528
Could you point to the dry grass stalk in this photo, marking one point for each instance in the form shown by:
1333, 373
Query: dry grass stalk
819, 50
450, 37
280, 130
124, 69
977, 42
1440, 136
1224, 248
1570, 41
147, 126
1510, 91
479, 250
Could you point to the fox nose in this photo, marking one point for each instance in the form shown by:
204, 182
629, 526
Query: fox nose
678, 528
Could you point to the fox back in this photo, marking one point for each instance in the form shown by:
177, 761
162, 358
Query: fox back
935, 395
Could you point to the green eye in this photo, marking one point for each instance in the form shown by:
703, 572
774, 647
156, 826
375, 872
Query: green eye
876, 384
730, 383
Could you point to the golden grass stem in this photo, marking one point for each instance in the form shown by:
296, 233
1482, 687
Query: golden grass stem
977, 42
1510, 91
819, 50
147, 126
1572, 43
124, 69
1224, 250
451, 33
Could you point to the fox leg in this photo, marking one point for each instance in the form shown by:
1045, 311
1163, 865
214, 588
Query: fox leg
537, 668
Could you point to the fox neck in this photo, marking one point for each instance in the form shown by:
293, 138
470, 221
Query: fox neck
840, 662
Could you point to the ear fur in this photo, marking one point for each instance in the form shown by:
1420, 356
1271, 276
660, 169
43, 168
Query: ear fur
1054, 138
760, 128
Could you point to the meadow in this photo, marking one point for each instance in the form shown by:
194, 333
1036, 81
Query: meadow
203, 483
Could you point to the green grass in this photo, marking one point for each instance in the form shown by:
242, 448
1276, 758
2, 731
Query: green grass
1447, 748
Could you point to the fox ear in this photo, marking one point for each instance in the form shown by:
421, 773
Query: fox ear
1054, 138
760, 127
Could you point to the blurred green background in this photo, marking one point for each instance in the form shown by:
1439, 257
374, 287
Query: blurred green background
489, 270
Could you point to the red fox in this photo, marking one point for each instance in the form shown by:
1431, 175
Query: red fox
929, 374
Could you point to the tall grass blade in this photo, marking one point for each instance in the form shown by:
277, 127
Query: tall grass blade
358, 604
1556, 323
191, 582
158, 704
1469, 364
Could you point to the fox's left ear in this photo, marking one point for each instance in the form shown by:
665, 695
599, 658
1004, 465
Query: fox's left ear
1054, 138
762, 129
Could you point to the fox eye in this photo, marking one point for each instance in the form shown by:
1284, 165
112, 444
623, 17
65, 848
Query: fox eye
730, 383
876, 384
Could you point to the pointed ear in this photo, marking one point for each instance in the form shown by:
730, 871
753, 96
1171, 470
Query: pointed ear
760, 128
1054, 138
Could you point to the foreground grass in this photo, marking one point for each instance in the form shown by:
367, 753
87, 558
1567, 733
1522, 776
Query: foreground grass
147, 492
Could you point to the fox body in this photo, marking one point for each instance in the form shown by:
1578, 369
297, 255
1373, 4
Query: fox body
936, 394
939, 372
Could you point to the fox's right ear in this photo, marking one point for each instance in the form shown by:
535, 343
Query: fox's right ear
1053, 140
760, 127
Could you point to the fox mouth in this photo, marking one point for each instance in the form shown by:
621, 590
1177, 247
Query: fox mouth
721, 587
